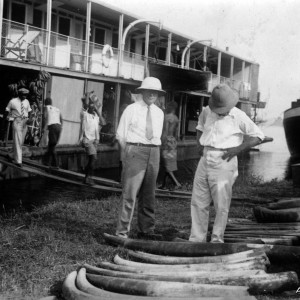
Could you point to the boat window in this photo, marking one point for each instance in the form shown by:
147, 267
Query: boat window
115, 40
37, 18
5, 10
64, 26
99, 36
132, 45
18, 12
54, 22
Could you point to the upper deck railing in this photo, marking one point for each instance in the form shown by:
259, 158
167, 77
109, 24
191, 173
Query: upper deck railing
27, 43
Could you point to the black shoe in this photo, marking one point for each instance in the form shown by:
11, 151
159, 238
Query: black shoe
150, 236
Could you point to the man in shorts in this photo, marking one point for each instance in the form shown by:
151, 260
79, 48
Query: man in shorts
89, 138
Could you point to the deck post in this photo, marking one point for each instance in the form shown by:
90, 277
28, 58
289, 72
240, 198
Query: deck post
117, 106
180, 116
231, 70
1, 20
243, 79
146, 72
120, 57
87, 33
184, 115
204, 58
188, 56
168, 58
219, 66
49, 13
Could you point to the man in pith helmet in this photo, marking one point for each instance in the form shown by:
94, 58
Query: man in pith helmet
220, 135
18, 109
139, 135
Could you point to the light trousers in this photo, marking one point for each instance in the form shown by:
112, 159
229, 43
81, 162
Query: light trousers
213, 181
19, 134
140, 170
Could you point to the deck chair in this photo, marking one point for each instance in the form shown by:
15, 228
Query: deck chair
18, 42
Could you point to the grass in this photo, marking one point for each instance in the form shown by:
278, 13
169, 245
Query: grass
39, 248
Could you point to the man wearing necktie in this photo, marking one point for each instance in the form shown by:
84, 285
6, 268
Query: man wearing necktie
139, 135
19, 109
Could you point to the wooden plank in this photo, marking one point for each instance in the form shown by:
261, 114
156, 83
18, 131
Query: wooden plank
72, 177
34, 171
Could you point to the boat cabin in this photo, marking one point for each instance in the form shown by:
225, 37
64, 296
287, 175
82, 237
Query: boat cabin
88, 45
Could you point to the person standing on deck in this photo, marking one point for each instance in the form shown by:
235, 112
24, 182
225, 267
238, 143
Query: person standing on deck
169, 144
220, 134
19, 110
89, 138
139, 135
53, 122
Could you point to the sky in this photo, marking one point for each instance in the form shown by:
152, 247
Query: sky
264, 31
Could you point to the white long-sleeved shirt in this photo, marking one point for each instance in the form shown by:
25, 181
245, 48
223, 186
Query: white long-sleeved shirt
14, 107
132, 126
226, 132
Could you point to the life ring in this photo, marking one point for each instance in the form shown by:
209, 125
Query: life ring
106, 60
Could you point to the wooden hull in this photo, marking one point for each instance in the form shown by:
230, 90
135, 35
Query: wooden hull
291, 124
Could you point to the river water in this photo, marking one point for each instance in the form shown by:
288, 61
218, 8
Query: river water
272, 159
270, 162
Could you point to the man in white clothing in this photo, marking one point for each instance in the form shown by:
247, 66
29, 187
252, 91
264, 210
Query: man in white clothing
53, 122
220, 134
139, 135
18, 109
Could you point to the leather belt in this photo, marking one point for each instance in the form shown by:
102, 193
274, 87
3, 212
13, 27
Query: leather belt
142, 145
209, 148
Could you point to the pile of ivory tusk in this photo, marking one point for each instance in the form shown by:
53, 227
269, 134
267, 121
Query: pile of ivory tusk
150, 276
281, 225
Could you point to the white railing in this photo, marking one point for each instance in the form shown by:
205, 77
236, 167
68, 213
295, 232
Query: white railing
28, 43
243, 88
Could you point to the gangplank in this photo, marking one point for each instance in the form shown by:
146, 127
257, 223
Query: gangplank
34, 168
104, 184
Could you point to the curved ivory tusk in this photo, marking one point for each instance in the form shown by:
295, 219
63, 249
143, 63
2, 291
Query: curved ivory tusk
215, 268
170, 289
177, 248
71, 292
258, 283
257, 264
111, 269
172, 260
83, 285
276, 253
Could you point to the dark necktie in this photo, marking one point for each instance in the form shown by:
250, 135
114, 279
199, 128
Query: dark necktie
149, 129
22, 111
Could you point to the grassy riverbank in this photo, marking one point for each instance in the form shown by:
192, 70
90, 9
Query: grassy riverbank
39, 248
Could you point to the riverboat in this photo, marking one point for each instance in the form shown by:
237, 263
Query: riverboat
291, 124
89, 45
